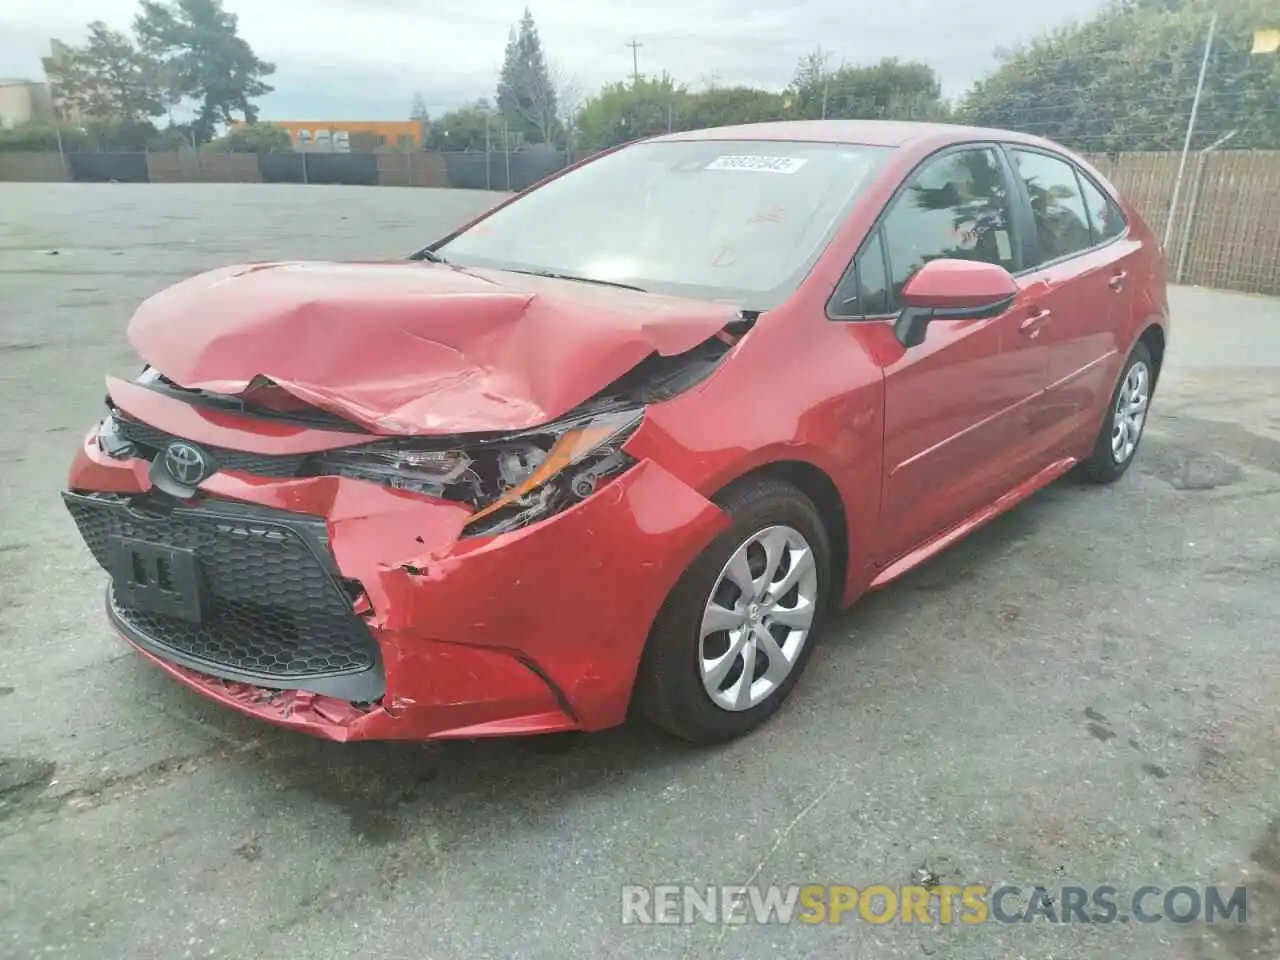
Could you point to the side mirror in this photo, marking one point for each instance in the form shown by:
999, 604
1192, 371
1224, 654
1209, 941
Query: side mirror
952, 290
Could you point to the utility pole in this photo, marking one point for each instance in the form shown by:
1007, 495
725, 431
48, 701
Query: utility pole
1191, 129
635, 46
822, 57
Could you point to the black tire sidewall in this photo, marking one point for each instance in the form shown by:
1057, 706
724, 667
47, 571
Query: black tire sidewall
1101, 465
669, 688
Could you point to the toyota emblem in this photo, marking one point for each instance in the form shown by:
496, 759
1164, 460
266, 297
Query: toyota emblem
186, 463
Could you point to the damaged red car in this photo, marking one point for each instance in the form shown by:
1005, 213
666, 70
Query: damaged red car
618, 445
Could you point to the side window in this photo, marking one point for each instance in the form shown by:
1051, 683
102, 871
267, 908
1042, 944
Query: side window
1062, 224
955, 207
864, 289
1104, 216
873, 283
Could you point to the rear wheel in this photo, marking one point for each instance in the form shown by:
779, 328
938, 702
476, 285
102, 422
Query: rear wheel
1121, 432
738, 628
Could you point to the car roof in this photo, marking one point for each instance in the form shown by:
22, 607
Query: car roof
873, 133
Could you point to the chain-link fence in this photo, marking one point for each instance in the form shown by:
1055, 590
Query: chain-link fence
494, 169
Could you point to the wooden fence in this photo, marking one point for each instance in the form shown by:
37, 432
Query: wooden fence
1227, 229
1226, 232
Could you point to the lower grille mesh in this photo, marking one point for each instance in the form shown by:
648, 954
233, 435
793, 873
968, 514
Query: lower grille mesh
277, 616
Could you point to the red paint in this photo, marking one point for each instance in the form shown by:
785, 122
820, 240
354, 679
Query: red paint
220, 429
541, 630
958, 283
411, 347
961, 530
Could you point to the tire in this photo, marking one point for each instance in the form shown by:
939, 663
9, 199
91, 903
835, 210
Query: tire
670, 689
1105, 464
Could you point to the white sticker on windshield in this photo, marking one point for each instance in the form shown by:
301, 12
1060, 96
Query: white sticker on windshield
758, 164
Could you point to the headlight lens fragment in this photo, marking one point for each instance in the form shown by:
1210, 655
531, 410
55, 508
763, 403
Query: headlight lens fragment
511, 481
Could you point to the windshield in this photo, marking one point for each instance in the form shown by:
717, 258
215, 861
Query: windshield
741, 221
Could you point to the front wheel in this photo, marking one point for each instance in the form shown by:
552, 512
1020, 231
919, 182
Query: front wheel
1117, 442
738, 628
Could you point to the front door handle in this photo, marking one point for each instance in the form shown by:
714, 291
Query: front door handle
1031, 326
1117, 282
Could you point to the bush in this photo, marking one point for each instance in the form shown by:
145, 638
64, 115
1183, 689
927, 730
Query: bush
41, 138
254, 138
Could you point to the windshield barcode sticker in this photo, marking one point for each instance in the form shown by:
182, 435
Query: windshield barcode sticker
759, 164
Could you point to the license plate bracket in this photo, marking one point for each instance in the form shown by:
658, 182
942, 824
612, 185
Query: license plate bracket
158, 578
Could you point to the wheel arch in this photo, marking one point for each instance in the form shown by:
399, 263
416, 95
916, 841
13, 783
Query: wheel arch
816, 484
1153, 338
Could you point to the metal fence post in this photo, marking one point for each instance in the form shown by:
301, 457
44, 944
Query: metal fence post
1191, 129
506, 150
488, 158
305, 176
62, 156
1193, 201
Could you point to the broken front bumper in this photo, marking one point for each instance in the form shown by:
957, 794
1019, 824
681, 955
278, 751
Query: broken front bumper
360, 613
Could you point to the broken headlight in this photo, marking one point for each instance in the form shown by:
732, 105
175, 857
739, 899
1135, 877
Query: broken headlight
511, 481
111, 441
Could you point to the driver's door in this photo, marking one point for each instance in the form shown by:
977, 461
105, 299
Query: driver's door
955, 406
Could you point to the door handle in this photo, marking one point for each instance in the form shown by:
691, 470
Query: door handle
1117, 282
1032, 324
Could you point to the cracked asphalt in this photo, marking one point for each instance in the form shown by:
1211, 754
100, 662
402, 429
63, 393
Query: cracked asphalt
1085, 692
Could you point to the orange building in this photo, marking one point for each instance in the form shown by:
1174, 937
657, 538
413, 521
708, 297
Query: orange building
345, 135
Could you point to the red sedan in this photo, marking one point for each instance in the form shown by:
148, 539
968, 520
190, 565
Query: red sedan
619, 444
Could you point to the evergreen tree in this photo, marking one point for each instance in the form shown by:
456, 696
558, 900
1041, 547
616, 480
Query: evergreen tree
526, 95
418, 110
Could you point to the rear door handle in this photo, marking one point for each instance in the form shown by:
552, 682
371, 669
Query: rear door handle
1031, 326
1117, 282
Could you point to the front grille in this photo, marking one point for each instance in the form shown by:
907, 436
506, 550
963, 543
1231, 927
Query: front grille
151, 441
276, 614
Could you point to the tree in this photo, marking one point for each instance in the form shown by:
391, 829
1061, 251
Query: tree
418, 111
526, 95
811, 85
108, 80
1125, 80
629, 110
462, 129
255, 138
568, 100
208, 61
889, 90
42, 138
418, 114
725, 106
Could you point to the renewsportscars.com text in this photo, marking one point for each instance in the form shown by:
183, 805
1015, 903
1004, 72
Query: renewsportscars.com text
972, 904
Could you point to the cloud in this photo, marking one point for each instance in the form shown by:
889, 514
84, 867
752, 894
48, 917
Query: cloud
347, 59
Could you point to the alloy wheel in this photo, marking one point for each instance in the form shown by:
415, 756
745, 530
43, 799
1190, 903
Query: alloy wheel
1131, 412
758, 618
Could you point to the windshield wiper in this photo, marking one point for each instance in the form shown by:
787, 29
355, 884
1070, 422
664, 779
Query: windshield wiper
552, 275
428, 255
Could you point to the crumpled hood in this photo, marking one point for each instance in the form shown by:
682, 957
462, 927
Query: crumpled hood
410, 347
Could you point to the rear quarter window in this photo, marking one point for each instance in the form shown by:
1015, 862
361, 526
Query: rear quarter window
1105, 216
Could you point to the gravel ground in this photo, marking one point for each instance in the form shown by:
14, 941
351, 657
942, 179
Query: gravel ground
1085, 692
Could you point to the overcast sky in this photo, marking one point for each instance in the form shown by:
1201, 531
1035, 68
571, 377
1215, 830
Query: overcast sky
357, 59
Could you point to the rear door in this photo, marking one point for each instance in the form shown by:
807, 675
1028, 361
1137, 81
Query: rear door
1078, 276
